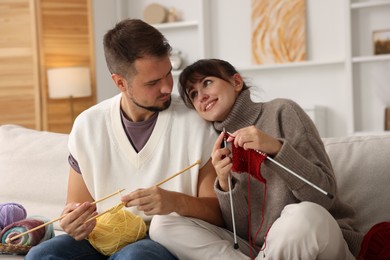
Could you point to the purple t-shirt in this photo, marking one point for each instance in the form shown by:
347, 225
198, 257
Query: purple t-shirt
138, 134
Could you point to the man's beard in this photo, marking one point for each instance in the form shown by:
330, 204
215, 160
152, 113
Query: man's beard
155, 109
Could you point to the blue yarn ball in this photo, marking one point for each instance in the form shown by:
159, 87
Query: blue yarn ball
10, 213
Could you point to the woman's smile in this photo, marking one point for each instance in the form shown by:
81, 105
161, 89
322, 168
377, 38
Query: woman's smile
210, 105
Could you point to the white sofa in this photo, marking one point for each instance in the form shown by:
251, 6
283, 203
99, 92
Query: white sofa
34, 172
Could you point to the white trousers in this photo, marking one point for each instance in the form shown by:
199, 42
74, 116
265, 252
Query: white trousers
303, 231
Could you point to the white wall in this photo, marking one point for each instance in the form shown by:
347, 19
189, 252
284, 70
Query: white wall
105, 17
309, 85
325, 80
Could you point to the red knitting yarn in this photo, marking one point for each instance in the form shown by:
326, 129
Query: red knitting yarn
248, 161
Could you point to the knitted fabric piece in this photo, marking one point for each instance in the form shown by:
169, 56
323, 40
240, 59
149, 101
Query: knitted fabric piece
248, 161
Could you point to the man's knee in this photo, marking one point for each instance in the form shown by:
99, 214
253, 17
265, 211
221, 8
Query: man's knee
35, 253
146, 249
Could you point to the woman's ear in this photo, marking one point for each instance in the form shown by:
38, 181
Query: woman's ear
238, 82
119, 81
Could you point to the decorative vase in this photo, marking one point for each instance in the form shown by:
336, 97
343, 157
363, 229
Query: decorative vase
176, 59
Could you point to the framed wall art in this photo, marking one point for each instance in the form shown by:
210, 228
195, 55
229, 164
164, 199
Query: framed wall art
278, 31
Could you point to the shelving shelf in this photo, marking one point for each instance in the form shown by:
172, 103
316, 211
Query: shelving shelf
369, 4
176, 25
289, 65
371, 58
339, 50
367, 72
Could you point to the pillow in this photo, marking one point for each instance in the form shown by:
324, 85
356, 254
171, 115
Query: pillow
376, 243
34, 170
362, 168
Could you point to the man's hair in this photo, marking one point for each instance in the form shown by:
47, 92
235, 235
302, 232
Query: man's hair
129, 40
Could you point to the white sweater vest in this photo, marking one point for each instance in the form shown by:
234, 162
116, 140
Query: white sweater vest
108, 161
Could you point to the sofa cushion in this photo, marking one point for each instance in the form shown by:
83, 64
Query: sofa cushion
362, 168
34, 170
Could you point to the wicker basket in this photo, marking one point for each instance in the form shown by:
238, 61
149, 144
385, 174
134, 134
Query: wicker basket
14, 249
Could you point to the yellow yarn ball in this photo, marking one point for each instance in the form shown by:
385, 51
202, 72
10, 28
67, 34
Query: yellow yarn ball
115, 230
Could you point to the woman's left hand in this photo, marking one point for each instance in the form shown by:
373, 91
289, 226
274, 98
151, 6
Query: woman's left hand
252, 138
221, 162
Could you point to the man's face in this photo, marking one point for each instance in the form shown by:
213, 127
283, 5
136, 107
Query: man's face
150, 88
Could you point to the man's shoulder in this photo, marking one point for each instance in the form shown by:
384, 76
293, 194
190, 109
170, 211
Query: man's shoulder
97, 109
95, 115
179, 107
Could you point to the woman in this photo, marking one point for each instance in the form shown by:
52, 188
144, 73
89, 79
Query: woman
281, 217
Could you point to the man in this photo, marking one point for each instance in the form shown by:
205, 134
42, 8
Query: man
133, 141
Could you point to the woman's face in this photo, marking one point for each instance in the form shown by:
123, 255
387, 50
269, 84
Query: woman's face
213, 98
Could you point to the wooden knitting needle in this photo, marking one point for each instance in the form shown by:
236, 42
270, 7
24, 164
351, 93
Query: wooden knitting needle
8, 240
176, 174
119, 206
158, 184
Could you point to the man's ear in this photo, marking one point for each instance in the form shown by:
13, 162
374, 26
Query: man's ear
238, 82
120, 82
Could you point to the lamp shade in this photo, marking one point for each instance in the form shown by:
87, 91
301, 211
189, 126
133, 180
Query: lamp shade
69, 82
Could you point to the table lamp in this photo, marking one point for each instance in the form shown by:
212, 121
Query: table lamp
69, 82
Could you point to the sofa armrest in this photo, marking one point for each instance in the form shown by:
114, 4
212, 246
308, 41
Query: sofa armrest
362, 168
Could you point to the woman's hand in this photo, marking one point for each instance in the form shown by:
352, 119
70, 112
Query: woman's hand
221, 162
74, 222
252, 138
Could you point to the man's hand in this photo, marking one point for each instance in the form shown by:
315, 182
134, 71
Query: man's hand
74, 222
152, 201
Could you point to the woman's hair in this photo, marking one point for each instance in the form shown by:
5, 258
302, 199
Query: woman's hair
201, 69
129, 40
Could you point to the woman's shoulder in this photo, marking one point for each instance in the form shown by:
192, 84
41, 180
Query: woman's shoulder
292, 114
283, 104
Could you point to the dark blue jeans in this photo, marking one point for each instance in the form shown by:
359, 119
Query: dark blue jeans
65, 247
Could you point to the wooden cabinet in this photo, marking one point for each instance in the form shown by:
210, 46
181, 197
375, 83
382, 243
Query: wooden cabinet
19, 66
36, 36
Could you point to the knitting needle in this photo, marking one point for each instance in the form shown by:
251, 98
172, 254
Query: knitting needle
176, 174
108, 196
231, 197
59, 218
329, 195
158, 184
296, 175
119, 206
